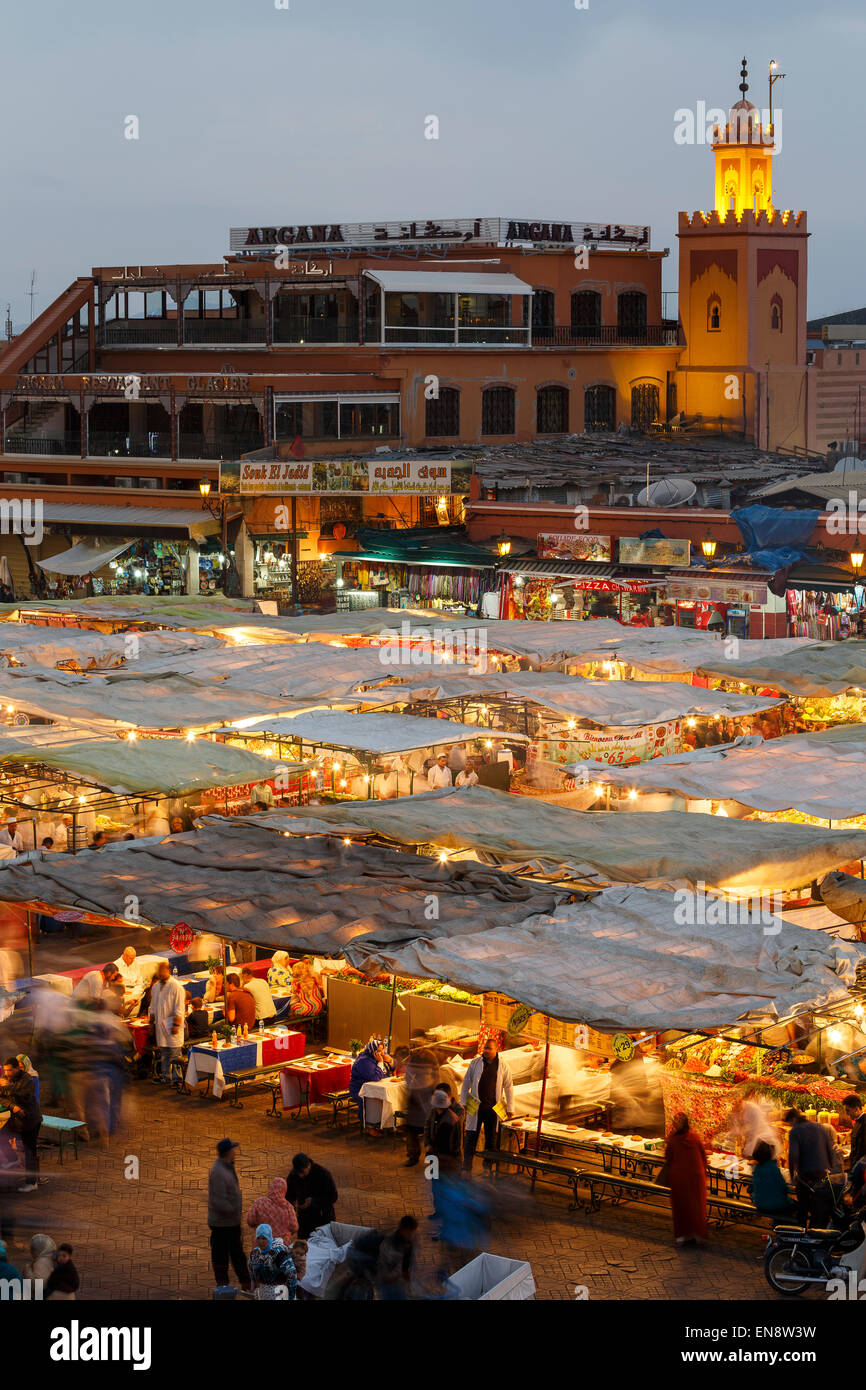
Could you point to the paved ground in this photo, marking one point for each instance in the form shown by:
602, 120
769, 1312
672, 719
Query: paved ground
146, 1237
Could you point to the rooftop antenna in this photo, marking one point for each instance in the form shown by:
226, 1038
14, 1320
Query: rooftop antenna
32, 292
9, 332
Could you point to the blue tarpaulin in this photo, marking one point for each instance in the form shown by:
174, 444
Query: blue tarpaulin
775, 528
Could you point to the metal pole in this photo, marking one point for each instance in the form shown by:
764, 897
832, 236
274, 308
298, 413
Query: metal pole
543, 1084
391, 1015
30, 941
293, 568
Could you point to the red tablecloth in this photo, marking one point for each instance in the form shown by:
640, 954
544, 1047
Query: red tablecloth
259, 968
322, 1079
139, 1030
281, 1048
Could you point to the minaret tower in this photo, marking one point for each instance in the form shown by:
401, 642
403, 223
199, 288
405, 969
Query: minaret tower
742, 292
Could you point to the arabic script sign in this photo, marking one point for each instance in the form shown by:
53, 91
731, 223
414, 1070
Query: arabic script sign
318, 235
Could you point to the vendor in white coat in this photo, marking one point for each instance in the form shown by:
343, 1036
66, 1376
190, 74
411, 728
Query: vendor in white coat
439, 775
11, 836
487, 1095
167, 1011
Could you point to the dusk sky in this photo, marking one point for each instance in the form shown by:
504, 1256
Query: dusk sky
250, 114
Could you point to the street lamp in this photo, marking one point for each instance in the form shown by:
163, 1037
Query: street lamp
503, 545
217, 508
774, 76
857, 558
708, 546
204, 489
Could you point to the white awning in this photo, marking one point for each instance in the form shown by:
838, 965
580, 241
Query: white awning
83, 558
447, 282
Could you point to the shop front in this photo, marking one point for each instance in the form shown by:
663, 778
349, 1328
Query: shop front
551, 589
732, 605
824, 603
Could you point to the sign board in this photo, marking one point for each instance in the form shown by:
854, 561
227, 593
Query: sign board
614, 746
659, 551
573, 545
755, 594
378, 474
623, 1047
519, 1019
181, 937
460, 231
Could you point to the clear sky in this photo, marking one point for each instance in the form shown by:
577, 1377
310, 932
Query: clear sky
249, 114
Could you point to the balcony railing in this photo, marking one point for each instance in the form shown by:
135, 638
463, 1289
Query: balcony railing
118, 444
442, 334
314, 330
228, 445
126, 332
606, 335
223, 331
68, 444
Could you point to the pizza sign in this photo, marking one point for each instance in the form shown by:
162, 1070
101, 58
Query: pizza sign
182, 937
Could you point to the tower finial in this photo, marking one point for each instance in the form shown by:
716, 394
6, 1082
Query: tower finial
744, 86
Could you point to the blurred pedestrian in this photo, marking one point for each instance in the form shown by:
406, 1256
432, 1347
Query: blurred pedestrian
41, 1262
442, 1142
167, 1011
224, 1215
685, 1173
396, 1264
420, 1078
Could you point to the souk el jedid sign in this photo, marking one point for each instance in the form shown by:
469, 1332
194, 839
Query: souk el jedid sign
384, 476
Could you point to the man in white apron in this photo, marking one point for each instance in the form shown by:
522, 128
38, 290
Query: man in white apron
167, 1009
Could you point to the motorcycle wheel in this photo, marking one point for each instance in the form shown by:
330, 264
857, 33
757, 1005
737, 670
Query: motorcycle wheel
784, 1260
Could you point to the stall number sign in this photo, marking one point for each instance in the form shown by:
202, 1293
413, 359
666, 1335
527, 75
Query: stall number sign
519, 1019
182, 937
623, 1047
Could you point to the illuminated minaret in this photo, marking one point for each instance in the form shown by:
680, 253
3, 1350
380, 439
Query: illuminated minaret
742, 292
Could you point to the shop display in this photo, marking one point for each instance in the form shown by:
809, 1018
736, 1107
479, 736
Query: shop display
823, 615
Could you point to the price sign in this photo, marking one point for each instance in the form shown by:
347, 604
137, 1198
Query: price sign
182, 937
623, 1047
519, 1019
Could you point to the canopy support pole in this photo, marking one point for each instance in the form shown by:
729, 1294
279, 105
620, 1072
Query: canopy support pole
543, 1083
391, 1014
30, 941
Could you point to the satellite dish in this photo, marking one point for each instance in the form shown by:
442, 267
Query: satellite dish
667, 492
848, 463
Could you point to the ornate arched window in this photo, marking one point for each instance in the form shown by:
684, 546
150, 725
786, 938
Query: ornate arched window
776, 313
714, 314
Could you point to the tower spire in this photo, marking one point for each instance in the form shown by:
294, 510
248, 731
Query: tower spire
744, 86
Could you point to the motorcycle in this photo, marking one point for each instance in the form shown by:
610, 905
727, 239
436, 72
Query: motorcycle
797, 1258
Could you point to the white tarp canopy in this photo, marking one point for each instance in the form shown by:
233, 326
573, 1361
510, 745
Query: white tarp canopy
374, 733
84, 558
824, 668
239, 880
658, 848
620, 959
820, 776
455, 281
608, 703
165, 766
33, 645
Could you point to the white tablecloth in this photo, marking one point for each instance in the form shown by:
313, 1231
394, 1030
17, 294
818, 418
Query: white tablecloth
381, 1099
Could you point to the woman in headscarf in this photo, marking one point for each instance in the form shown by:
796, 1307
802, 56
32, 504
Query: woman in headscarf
42, 1252
272, 1269
374, 1064
280, 975
276, 1211
686, 1165
306, 996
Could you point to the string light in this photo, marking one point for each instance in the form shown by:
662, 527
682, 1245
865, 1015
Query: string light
190, 736
442, 856
632, 796
132, 736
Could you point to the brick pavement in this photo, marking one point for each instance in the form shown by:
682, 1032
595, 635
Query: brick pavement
148, 1238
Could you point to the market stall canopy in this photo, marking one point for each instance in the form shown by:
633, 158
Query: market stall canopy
663, 847
84, 558
820, 776
165, 766
620, 959
822, 669
607, 703
373, 733
32, 645
237, 879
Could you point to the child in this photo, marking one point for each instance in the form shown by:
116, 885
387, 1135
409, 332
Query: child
63, 1280
299, 1258
197, 1025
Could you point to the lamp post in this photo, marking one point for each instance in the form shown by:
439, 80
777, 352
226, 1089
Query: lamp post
217, 508
774, 76
503, 545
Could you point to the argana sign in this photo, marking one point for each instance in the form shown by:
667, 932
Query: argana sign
311, 236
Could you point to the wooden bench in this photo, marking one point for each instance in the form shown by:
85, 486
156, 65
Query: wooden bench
617, 1188
340, 1100
66, 1131
253, 1076
543, 1169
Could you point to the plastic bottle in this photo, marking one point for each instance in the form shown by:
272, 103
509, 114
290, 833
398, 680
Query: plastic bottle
234, 1035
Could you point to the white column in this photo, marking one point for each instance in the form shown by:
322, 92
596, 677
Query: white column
192, 568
